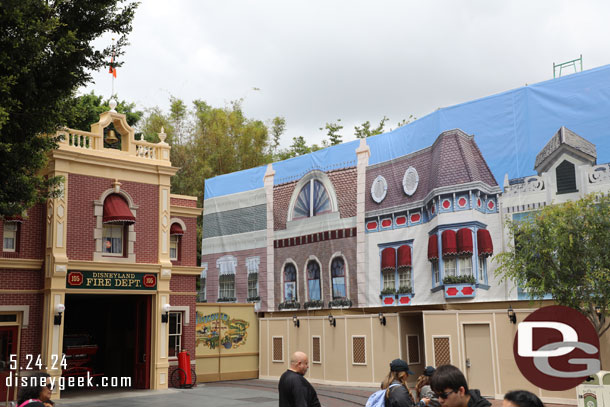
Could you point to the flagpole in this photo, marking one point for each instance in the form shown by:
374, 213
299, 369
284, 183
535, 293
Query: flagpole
112, 93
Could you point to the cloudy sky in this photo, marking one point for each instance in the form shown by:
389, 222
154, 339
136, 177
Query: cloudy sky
317, 61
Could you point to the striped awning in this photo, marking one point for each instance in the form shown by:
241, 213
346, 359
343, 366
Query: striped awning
485, 245
176, 229
433, 248
464, 241
117, 211
388, 259
449, 243
404, 256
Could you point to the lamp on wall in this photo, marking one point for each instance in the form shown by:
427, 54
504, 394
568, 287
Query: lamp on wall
598, 312
59, 309
331, 320
381, 319
295, 321
165, 315
511, 315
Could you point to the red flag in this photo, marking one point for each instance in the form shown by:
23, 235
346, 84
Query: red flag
112, 69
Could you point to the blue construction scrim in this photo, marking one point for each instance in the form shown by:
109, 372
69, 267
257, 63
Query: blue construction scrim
510, 128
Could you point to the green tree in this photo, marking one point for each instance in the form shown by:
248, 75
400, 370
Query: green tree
81, 112
278, 127
332, 131
365, 130
46, 54
562, 250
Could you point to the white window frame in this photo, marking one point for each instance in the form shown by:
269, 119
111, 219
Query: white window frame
110, 228
462, 259
174, 244
178, 335
482, 271
10, 235
226, 266
330, 190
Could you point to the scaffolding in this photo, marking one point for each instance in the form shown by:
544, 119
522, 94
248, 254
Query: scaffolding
568, 64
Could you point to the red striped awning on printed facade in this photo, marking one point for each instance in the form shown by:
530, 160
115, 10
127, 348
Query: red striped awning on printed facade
448, 240
404, 256
485, 245
117, 211
464, 241
388, 258
433, 248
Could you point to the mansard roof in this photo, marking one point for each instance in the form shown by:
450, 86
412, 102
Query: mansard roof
562, 139
453, 159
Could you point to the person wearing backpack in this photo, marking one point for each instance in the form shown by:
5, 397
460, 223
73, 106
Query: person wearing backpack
394, 391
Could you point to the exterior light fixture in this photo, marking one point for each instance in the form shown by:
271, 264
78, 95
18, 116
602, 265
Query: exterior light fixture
331, 320
381, 319
59, 309
295, 321
598, 312
511, 315
165, 315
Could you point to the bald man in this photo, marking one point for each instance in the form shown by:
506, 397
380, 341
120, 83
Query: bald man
294, 389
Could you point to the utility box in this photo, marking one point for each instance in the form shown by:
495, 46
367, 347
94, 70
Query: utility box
595, 391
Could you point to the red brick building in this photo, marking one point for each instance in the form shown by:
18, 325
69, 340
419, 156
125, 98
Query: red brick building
91, 273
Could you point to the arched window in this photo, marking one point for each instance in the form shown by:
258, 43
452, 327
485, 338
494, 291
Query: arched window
337, 270
117, 216
313, 280
290, 282
566, 178
312, 200
175, 234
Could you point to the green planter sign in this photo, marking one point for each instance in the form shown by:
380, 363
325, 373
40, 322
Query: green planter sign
109, 280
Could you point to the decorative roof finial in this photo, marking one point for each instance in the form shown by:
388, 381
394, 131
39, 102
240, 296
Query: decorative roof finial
113, 105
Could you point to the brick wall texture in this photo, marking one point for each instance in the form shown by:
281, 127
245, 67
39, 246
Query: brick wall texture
30, 235
83, 190
187, 245
323, 251
186, 284
241, 275
188, 203
343, 181
31, 339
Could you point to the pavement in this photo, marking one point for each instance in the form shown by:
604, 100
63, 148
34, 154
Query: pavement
236, 393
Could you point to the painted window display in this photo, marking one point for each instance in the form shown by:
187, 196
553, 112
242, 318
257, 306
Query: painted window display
290, 282
221, 330
313, 280
313, 200
338, 277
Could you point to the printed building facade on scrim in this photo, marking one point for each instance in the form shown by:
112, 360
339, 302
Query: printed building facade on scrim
383, 247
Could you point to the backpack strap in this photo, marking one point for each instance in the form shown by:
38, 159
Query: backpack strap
28, 402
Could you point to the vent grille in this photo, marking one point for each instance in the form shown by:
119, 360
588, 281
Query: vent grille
316, 352
413, 349
278, 349
442, 353
358, 350
566, 178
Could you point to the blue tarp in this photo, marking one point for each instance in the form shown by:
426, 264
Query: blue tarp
510, 128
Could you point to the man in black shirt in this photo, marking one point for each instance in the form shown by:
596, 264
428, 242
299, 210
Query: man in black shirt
294, 389
451, 388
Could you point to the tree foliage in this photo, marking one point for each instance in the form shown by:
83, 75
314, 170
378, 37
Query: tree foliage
332, 131
365, 130
81, 112
562, 250
46, 53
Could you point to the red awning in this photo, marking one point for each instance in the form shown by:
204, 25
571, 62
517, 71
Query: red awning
486, 247
117, 211
176, 229
433, 248
388, 258
448, 241
404, 256
464, 241
16, 219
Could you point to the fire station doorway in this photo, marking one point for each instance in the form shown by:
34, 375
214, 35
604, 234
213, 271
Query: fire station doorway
108, 336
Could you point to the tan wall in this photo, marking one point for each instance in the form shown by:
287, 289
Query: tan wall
506, 373
381, 346
239, 358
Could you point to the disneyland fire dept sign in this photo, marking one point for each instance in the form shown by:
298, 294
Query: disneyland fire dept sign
106, 280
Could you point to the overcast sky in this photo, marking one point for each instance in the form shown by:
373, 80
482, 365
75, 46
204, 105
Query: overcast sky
317, 61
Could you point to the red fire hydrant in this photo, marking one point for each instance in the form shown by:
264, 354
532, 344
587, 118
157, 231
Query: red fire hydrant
184, 363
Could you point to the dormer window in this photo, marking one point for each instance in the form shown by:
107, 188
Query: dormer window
566, 178
313, 200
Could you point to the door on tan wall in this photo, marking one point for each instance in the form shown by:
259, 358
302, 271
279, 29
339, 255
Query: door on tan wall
479, 370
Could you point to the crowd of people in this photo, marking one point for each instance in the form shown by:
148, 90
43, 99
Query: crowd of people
445, 386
